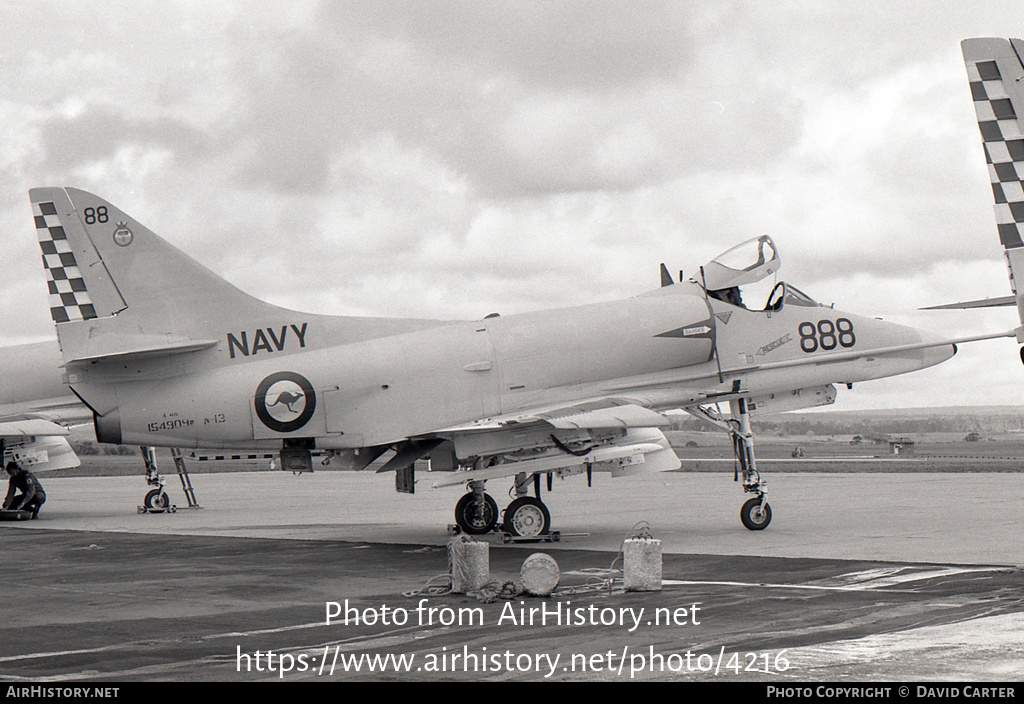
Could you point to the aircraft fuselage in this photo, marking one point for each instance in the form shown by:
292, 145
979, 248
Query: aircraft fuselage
657, 350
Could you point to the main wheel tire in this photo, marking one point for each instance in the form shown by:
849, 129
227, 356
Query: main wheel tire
527, 517
157, 500
754, 516
470, 520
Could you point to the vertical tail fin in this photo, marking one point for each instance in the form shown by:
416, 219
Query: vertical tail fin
995, 70
117, 287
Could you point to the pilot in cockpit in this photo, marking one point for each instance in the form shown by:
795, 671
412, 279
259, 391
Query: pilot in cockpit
730, 295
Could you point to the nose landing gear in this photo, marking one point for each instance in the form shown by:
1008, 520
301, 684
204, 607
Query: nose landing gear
756, 514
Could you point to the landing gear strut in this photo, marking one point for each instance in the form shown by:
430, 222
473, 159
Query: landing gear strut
756, 514
156, 500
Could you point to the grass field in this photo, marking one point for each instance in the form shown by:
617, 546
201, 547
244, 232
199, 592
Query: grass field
934, 452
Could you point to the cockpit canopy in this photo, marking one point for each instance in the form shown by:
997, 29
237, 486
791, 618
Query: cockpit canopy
746, 263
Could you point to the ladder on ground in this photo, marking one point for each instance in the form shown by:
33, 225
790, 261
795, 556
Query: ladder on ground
186, 483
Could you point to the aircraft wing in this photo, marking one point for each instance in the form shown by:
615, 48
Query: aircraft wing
37, 443
66, 411
641, 446
30, 426
604, 412
35, 434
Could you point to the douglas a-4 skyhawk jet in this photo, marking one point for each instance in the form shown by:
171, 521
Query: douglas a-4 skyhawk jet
165, 353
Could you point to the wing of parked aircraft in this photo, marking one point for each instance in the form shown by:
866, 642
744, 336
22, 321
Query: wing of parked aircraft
37, 407
36, 444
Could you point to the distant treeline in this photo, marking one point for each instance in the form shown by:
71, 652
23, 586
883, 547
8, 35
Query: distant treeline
88, 447
864, 424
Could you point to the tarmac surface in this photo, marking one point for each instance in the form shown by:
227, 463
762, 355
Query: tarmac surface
891, 577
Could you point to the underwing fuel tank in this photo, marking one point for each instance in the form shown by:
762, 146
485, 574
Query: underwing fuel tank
935, 355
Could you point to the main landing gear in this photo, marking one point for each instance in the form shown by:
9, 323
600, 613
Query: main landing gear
756, 514
526, 517
476, 513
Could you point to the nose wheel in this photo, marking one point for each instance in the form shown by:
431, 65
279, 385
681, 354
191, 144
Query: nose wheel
156, 500
756, 514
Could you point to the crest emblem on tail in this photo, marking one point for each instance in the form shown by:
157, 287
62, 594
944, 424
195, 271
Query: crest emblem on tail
122, 235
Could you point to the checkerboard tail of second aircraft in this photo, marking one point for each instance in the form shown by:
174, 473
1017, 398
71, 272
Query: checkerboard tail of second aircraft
165, 353
995, 72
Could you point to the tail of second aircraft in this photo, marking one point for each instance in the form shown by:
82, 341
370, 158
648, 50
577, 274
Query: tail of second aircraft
995, 69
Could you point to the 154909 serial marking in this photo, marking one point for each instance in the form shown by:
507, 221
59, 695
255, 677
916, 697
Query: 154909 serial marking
827, 335
176, 424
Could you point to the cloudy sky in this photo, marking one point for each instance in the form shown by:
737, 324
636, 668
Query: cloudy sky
452, 159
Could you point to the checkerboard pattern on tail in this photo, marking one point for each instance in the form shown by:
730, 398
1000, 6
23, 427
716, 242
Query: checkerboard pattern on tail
1004, 147
69, 299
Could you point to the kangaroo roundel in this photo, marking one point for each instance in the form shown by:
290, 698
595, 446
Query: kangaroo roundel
285, 401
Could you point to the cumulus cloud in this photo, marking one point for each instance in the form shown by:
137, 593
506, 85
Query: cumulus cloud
450, 159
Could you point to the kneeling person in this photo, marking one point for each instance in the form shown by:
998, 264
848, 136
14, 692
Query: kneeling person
32, 495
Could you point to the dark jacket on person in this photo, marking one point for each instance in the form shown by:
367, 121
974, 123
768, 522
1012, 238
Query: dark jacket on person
29, 486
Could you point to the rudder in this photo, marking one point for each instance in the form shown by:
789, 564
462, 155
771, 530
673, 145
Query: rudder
996, 73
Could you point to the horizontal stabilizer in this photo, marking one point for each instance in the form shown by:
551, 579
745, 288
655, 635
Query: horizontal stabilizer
114, 347
981, 303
